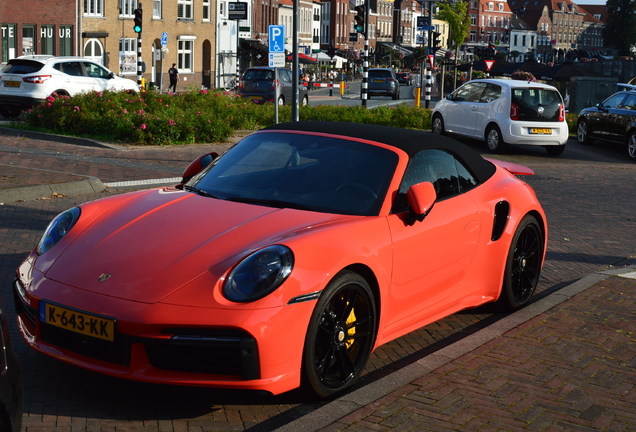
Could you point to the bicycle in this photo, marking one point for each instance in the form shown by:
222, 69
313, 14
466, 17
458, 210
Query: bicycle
230, 84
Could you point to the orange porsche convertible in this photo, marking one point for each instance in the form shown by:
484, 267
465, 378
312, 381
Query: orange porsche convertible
285, 261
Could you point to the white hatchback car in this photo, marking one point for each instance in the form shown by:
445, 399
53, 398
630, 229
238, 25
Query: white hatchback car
28, 80
501, 112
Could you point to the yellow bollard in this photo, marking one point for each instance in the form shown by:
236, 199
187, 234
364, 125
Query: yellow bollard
418, 95
342, 88
143, 84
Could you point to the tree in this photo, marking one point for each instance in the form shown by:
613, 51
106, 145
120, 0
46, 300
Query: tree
620, 26
456, 15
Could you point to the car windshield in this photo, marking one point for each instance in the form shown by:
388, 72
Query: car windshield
301, 171
259, 74
379, 73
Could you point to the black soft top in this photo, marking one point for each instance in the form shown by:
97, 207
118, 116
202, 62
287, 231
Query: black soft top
411, 141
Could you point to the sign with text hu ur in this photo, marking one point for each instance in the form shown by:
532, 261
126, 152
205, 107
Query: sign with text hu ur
276, 39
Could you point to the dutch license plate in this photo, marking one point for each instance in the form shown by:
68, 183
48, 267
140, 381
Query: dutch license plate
256, 97
78, 322
378, 81
12, 83
540, 130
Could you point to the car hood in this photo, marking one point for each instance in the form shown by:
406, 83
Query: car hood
157, 241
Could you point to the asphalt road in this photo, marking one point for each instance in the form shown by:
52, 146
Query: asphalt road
588, 195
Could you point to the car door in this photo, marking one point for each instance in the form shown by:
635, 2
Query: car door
285, 79
462, 112
432, 257
622, 118
601, 123
489, 103
73, 77
100, 77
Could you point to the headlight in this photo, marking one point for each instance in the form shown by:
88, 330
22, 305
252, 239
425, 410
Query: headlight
57, 229
259, 274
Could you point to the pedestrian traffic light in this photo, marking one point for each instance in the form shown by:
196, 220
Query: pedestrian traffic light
138, 20
437, 41
360, 19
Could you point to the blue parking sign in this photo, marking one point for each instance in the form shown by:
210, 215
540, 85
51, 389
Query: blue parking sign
276, 39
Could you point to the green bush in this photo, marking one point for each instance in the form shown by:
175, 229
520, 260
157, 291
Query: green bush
186, 118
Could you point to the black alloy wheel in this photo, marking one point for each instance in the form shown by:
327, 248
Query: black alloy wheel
582, 132
631, 145
340, 336
523, 265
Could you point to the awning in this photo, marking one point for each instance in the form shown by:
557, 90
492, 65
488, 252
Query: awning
302, 58
253, 44
399, 48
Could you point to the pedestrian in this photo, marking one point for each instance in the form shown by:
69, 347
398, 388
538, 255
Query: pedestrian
174, 77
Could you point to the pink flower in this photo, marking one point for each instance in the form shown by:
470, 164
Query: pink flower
125, 112
76, 109
142, 126
172, 122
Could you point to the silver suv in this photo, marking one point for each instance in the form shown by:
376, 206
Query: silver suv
383, 82
259, 85
28, 80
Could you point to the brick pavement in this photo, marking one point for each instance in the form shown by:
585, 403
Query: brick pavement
61, 397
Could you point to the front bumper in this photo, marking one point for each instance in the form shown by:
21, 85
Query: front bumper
171, 344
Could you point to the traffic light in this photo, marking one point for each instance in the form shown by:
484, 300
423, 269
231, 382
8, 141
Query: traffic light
360, 19
331, 51
437, 41
138, 20
490, 54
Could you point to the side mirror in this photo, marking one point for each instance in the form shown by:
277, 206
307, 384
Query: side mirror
111, 75
197, 166
421, 198
449, 96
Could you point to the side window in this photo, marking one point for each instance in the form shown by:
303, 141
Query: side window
70, 68
95, 71
284, 75
614, 101
470, 92
630, 103
492, 92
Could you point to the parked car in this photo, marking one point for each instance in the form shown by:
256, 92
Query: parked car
296, 253
503, 112
11, 395
382, 82
259, 85
28, 80
613, 120
404, 78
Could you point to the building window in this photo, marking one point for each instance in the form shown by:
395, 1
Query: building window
128, 56
47, 37
66, 40
184, 55
93, 7
9, 41
28, 40
206, 10
184, 10
127, 8
501, 7
156, 9
473, 36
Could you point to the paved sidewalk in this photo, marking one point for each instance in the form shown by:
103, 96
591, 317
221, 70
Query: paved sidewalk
565, 362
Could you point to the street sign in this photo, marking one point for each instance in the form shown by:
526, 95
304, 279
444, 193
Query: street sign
277, 39
489, 64
237, 10
164, 39
353, 37
276, 59
424, 23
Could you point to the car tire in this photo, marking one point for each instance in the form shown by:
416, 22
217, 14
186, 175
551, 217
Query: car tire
304, 101
583, 133
340, 336
9, 112
523, 264
631, 145
396, 95
437, 125
494, 140
555, 150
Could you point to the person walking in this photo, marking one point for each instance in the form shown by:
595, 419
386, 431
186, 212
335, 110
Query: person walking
174, 77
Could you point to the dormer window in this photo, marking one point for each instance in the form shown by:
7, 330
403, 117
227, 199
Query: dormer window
491, 6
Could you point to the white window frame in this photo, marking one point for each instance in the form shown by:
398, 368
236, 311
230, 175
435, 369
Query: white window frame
185, 9
156, 9
185, 54
128, 56
94, 8
127, 8
207, 11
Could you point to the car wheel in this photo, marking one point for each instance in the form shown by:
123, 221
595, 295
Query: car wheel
281, 100
494, 140
437, 125
555, 150
582, 133
523, 264
305, 101
631, 145
9, 112
396, 95
340, 336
